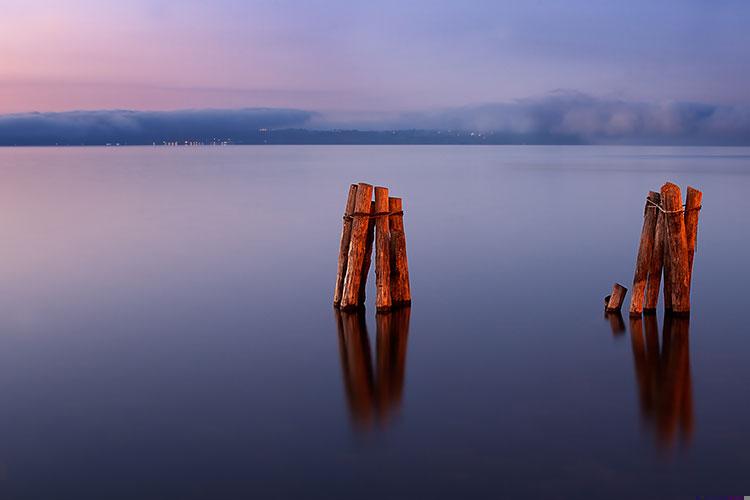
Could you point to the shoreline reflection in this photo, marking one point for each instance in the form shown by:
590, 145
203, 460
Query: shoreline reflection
663, 377
373, 395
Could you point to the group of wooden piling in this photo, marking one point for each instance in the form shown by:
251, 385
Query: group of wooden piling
667, 246
366, 221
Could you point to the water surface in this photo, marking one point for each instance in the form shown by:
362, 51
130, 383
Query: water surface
167, 329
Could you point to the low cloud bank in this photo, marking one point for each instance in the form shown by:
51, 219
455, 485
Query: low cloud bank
557, 118
577, 118
142, 127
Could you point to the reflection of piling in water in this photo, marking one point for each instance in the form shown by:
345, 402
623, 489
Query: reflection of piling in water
354, 347
616, 322
373, 398
663, 376
393, 332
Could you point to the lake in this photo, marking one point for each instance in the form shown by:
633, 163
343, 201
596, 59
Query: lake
167, 328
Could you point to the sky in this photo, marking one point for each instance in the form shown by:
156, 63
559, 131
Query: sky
360, 60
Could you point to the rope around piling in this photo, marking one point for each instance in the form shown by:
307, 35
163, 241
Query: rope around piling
370, 215
683, 210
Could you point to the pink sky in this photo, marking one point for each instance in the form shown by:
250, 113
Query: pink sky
361, 56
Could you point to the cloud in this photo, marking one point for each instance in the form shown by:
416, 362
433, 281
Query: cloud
142, 127
561, 117
568, 116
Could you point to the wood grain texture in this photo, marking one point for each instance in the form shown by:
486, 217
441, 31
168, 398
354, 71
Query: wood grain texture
693, 201
617, 298
667, 269
382, 252
645, 252
369, 242
350, 297
679, 276
400, 287
655, 265
346, 233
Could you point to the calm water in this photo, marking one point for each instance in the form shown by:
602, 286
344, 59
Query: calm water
167, 329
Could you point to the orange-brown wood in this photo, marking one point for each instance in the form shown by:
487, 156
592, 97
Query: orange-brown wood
693, 201
400, 287
655, 265
667, 269
645, 252
679, 276
346, 233
350, 297
616, 299
369, 241
382, 251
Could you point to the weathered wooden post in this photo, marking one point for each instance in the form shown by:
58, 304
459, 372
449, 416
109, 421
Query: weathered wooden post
357, 247
678, 252
656, 263
369, 241
667, 270
693, 201
382, 250
614, 301
346, 233
400, 288
645, 251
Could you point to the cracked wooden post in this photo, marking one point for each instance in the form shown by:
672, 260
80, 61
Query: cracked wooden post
400, 288
655, 265
614, 301
693, 201
645, 251
382, 251
369, 240
676, 241
667, 269
346, 233
350, 297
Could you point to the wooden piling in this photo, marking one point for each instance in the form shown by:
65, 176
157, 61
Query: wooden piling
382, 251
645, 251
693, 201
400, 288
655, 265
369, 241
357, 247
667, 268
615, 300
346, 233
678, 252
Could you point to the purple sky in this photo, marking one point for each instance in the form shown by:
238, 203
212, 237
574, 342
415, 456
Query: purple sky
359, 58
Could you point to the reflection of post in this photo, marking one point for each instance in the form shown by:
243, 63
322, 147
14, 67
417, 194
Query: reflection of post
393, 330
615, 322
677, 393
663, 378
354, 347
370, 397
